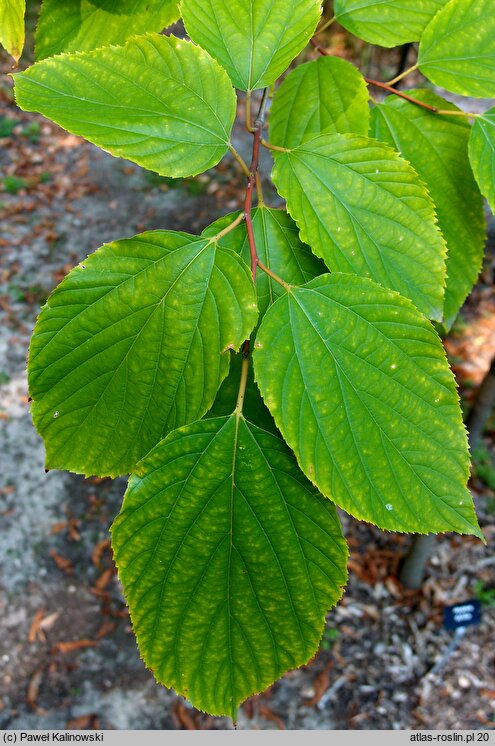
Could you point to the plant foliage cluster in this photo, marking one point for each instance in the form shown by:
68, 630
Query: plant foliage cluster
283, 362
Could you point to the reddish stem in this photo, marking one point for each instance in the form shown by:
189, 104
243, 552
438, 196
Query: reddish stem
390, 89
248, 201
384, 86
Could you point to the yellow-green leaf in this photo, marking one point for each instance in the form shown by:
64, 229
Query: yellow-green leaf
386, 22
359, 386
437, 147
159, 101
254, 40
83, 25
363, 209
482, 154
12, 26
325, 95
457, 49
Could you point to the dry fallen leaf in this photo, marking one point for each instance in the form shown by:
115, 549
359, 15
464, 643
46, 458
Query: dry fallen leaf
33, 692
106, 629
62, 563
98, 551
48, 622
321, 683
268, 714
182, 717
71, 645
83, 722
35, 631
104, 579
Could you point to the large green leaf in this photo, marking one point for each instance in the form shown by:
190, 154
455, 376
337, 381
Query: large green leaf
325, 95
457, 49
437, 147
254, 40
132, 345
229, 560
386, 22
12, 26
363, 209
482, 154
83, 25
360, 388
278, 246
158, 101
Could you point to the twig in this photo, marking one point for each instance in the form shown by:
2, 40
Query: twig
387, 87
402, 74
390, 89
253, 170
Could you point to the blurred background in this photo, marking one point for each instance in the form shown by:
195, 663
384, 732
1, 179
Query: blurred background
68, 658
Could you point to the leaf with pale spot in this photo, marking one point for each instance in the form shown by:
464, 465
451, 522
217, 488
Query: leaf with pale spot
133, 344
482, 154
12, 26
437, 147
386, 22
359, 386
324, 95
457, 49
83, 25
254, 40
363, 209
229, 560
158, 101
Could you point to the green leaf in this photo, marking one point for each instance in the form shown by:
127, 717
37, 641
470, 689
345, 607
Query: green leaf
83, 25
360, 388
363, 209
482, 154
12, 26
325, 95
254, 408
158, 101
386, 22
254, 40
229, 560
437, 147
132, 345
457, 49
278, 247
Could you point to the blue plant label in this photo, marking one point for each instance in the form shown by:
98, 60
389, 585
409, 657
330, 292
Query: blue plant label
462, 615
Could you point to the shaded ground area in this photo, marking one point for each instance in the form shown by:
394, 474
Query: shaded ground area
68, 657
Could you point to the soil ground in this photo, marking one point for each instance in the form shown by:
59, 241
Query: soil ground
68, 658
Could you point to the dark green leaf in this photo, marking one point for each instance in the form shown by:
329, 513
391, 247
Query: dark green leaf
229, 560
132, 344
